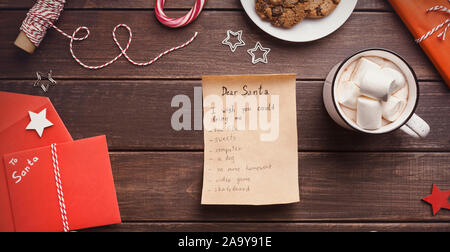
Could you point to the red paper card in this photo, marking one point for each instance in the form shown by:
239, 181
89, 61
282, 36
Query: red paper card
14, 110
63, 185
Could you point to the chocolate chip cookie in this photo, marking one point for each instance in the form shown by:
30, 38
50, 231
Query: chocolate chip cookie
282, 13
321, 8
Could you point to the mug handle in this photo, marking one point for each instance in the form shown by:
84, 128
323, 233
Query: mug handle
416, 127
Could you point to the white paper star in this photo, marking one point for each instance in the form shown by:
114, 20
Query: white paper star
39, 122
234, 46
259, 47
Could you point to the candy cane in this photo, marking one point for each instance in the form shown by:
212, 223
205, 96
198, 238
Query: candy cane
181, 21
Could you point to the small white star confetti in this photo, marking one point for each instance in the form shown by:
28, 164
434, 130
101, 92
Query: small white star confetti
39, 122
257, 60
234, 46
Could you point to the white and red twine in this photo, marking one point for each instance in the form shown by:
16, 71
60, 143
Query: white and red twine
446, 23
45, 13
59, 188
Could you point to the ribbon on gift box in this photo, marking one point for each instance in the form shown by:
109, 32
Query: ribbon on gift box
437, 8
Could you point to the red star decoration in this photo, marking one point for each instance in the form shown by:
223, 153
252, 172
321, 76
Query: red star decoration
438, 199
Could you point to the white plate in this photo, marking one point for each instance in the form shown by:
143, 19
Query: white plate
308, 29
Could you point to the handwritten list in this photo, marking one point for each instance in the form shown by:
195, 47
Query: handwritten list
250, 134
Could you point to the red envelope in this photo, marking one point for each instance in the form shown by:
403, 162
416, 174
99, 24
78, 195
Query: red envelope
14, 137
62, 187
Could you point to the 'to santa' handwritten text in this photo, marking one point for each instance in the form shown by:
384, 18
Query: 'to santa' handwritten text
18, 175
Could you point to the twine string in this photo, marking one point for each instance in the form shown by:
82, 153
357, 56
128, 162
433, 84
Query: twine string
446, 24
45, 12
59, 189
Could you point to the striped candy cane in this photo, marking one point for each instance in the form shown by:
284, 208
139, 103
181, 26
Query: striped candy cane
181, 21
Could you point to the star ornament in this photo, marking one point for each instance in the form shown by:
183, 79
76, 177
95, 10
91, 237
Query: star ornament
39, 122
234, 46
260, 48
438, 199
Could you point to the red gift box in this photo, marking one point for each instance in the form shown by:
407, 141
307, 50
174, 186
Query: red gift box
419, 22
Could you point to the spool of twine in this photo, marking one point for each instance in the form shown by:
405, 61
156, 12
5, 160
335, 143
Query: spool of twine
39, 19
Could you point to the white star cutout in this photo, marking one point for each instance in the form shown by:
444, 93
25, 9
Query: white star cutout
259, 47
39, 122
234, 46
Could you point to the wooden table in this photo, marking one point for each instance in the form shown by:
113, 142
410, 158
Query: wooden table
348, 181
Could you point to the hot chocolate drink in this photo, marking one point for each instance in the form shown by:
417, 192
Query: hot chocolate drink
372, 92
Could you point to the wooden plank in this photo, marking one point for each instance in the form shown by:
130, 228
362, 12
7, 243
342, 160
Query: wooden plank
206, 55
376, 5
136, 115
274, 227
354, 187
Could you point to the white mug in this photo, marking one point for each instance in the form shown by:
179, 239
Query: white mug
408, 122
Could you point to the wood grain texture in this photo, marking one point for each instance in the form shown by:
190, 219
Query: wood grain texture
348, 182
164, 186
376, 5
206, 55
274, 227
136, 115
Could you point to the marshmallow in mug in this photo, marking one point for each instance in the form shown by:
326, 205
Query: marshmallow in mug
393, 108
399, 79
402, 93
381, 84
348, 94
369, 113
363, 66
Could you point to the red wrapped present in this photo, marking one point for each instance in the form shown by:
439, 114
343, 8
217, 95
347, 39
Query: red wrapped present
429, 21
